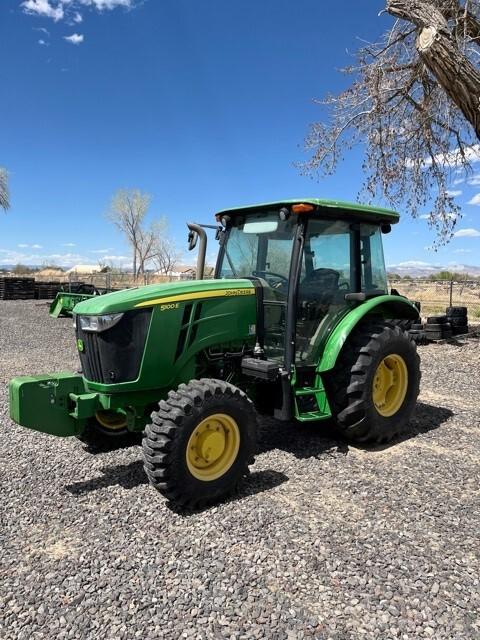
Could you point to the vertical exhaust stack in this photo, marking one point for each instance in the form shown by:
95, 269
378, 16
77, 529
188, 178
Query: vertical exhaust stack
196, 232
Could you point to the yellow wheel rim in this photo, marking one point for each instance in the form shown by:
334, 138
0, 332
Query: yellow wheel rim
213, 447
390, 384
111, 420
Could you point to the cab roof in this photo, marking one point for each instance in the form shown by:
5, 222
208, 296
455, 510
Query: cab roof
363, 211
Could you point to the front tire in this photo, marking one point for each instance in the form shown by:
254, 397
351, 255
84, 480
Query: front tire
108, 431
200, 442
375, 384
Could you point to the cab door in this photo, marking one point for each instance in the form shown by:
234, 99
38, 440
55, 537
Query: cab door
329, 272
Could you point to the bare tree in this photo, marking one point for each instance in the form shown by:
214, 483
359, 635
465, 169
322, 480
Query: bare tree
165, 254
414, 102
4, 192
147, 239
127, 212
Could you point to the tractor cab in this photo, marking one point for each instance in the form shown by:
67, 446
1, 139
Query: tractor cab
310, 261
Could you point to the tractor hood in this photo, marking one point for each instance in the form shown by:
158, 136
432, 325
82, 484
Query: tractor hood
165, 293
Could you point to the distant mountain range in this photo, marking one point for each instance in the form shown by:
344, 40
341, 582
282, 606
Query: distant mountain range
9, 267
419, 269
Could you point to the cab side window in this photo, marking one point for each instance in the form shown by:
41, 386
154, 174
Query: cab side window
374, 273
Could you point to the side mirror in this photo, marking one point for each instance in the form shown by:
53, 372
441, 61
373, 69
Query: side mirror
386, 228
220, 235
192, 240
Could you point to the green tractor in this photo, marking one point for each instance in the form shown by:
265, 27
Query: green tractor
297, 323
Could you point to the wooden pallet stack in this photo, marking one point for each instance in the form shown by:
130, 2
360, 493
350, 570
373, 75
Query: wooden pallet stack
47, 290
12, 288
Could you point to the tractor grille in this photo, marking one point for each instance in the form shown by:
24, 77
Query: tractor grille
115, 355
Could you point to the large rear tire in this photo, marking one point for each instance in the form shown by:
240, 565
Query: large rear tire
200, 442
375, 384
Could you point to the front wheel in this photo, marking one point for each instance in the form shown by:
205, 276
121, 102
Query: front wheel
375, 384
200, 442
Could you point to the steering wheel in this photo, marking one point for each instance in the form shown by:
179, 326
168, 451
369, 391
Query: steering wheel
275, 285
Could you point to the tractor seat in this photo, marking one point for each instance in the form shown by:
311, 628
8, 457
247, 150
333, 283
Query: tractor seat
320, 286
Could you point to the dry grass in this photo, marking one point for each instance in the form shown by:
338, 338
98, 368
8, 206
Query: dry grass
435, 296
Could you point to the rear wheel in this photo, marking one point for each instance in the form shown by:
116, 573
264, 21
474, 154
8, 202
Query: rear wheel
375, 384
200, 443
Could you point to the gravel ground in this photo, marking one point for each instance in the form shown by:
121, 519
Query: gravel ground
325, 541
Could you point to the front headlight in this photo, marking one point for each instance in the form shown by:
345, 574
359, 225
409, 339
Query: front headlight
99, 323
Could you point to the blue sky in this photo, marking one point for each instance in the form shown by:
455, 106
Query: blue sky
202, 104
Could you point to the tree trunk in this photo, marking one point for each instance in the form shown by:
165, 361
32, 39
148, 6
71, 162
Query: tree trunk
134, 264
438, 50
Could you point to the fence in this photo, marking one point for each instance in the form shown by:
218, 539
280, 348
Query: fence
436, 295
110, 280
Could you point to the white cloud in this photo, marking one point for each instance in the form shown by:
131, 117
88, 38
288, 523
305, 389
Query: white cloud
12, 256
107, 4
454, 158
32, 246
474, 181
100, 251
70, 11
44, 9
116, 258
428, 216
458, 181
475, 200
43, 43
467, 233
67, 259
75, 38
462, 251
413, 263
454, 192
68, 244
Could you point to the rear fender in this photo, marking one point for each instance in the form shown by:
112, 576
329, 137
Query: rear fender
388, 307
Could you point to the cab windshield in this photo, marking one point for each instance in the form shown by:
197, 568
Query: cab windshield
260, 245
